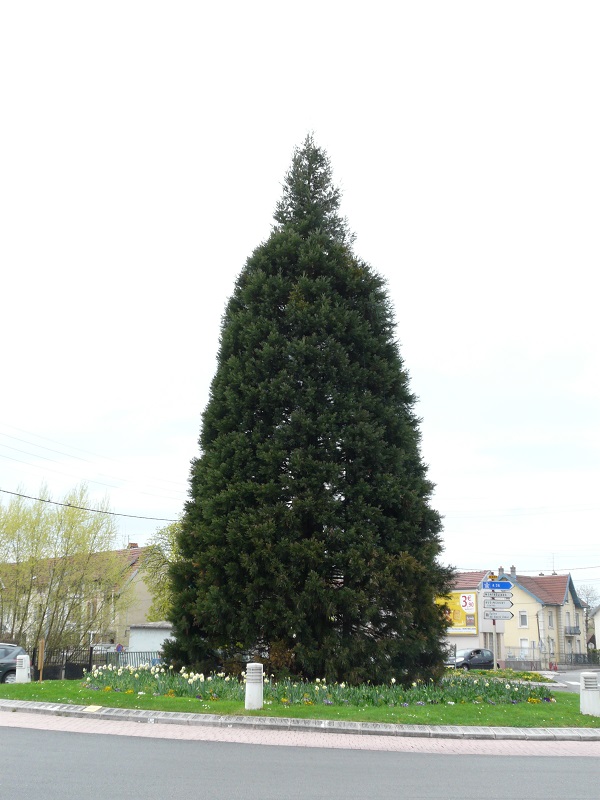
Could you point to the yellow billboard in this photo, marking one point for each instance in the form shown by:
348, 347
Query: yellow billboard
461, 612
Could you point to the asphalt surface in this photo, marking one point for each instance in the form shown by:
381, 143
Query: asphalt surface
61, 765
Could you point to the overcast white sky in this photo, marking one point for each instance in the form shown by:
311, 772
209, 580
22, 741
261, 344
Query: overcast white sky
142, 149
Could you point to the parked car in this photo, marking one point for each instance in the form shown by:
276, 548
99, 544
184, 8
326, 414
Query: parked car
8, 661
478, 658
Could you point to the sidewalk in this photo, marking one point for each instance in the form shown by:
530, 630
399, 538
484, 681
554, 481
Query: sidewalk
283, 724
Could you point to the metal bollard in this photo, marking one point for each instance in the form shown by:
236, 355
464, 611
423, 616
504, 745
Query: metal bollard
254, 687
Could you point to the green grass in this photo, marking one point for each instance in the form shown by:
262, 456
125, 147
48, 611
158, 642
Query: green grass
511, 675
563, 713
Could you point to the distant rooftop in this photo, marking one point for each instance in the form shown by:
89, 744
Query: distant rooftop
469, 580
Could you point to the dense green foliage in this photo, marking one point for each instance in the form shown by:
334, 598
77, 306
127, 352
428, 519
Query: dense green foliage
309, 540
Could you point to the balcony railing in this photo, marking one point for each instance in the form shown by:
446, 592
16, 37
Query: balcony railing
572, 630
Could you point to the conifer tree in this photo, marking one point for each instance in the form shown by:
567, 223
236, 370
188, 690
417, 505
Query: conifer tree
308, 539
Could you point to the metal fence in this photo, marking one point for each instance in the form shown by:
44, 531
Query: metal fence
72, 664
527, 658
534, 658
575, 659
133, 659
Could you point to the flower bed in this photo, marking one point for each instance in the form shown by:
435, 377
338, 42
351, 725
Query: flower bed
453, 689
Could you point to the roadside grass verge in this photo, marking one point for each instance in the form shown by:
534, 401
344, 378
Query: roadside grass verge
563, 713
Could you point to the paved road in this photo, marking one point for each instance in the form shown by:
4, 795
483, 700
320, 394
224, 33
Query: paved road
60, 765
571, 679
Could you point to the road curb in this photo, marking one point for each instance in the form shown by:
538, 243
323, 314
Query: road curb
293, 724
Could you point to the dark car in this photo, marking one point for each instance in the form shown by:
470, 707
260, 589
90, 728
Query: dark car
478, 658
8, 661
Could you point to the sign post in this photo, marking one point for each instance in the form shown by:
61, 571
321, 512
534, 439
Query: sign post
41, 653
497, 594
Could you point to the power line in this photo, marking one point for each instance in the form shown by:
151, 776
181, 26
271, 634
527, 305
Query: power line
82, 508
72, 447
87, 480
517, 512
535, 572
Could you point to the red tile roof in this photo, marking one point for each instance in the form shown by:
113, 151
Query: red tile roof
550, 589
468, 580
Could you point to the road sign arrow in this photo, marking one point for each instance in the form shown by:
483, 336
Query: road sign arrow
496, 585
493, 603
498, 615
498, 595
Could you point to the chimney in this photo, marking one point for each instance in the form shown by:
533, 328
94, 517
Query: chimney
500, 570
513, 572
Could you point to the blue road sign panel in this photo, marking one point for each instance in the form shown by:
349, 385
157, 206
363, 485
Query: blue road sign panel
497, 585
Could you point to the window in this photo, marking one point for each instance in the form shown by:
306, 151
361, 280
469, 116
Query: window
551, 642
576, 620
550, 619
568, 619
523, 619
524, 647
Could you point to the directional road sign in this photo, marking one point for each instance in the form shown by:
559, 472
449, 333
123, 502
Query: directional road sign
498, 615
498, 595
496, 585
489, 603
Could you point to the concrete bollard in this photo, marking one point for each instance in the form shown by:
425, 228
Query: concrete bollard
589, 694
23, 671
254, 687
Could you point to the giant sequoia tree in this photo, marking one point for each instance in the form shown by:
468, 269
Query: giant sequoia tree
309, 538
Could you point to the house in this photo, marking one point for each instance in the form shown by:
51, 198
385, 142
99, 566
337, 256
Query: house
136, 611
149, 637
465, 610
77, 600
547, 626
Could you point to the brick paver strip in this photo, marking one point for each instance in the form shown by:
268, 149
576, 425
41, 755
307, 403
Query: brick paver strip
324, 738
289, 725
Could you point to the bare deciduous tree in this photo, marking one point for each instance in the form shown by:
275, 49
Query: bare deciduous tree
63, 578
161, 553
